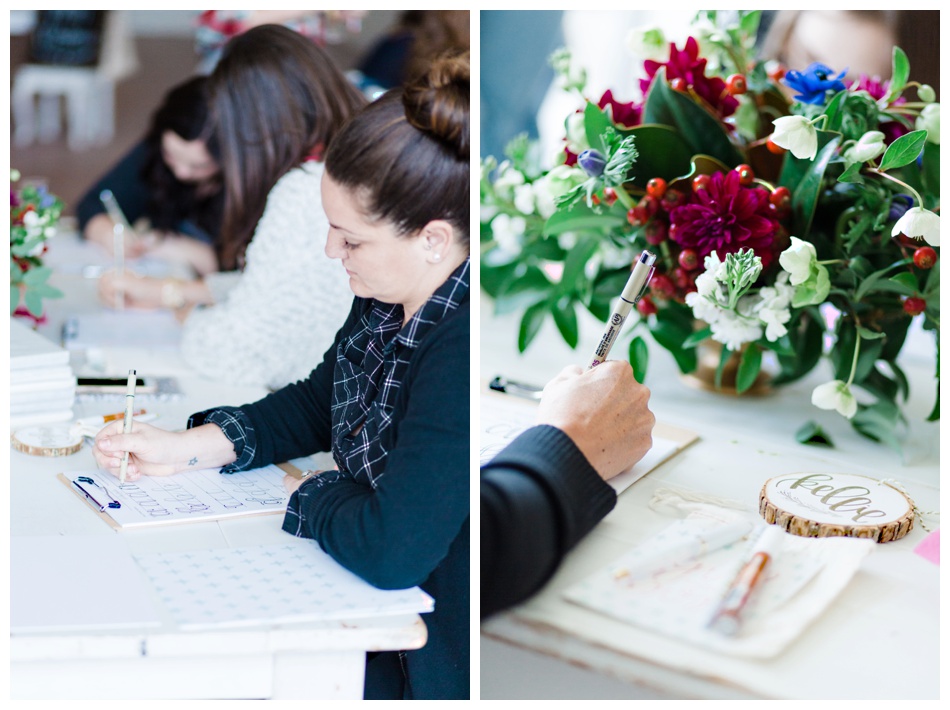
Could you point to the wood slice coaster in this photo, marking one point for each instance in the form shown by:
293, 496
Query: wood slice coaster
836, 505
47, 440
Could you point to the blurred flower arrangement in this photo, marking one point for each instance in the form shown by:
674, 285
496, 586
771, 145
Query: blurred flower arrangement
34, 213
801, 227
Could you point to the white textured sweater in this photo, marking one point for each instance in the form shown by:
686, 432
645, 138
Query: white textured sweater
271, 324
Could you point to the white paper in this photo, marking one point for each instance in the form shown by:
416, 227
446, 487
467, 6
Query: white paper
268, 584
75, 583
503, 420
196, 495
804, 577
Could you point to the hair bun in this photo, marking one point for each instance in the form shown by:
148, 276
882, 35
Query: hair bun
438, 102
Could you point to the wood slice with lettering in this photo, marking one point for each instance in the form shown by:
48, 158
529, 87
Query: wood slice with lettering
836, 505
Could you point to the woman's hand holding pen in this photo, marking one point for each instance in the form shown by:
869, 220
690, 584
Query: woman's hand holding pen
156, 452
139, 291
604, 411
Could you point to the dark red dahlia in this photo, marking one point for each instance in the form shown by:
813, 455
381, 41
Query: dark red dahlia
685, 64
724, 218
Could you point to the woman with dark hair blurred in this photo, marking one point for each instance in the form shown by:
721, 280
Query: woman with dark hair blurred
170, 179
391, 398
276, 102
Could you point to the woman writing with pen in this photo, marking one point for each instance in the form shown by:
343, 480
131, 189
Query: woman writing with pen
391, 398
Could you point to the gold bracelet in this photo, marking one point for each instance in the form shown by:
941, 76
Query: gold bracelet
173, 295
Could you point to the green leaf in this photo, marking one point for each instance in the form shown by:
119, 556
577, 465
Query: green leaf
581, 217
900, 72
697, 337
663, 152
852, 174
804, 178
749, 23
932, 168
904, 150
811, 433
835, 111
805, 340
14, 297
702, 131
749, 367
37, 276
34, 303
869, 334
575, 264
596, 124
530, 324
639, 358
871, 280
565, 318
671, 335
724, 356
879, 423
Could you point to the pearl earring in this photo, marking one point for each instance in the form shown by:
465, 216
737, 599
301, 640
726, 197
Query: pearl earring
436, 257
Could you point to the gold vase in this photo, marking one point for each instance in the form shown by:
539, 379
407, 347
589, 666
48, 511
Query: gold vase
708, 354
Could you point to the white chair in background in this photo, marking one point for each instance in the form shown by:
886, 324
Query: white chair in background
89, 92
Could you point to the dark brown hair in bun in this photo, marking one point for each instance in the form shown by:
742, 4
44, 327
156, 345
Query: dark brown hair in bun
407, 153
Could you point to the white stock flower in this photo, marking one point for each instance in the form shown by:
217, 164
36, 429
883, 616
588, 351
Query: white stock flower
508, 178
507, 231
797, 134
734, 330
647, 43
868, 147
835, 395
929, 120
918, 222
704, 308
576, 133
524, 199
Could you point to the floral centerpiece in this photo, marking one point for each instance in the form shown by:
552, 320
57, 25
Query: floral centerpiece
34, 212
792, 227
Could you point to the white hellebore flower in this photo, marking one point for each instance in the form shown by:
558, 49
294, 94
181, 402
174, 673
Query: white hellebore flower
797, 134
560, 180
868, 147
835, 395
929, 120
918, 222
797, 260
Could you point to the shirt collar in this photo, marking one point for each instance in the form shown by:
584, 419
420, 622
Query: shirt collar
446, 299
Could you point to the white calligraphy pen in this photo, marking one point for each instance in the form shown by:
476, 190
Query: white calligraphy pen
120, 225
636, 286
127, 421
725, 619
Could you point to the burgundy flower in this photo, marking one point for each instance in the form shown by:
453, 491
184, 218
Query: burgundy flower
685, 64
873, 85
724, 218
626, 115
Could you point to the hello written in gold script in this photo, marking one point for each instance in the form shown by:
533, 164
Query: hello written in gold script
844, 499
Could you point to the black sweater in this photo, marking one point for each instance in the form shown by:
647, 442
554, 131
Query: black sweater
414, 528
539, 496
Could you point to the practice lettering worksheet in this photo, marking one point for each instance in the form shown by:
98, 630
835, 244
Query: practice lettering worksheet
205, 494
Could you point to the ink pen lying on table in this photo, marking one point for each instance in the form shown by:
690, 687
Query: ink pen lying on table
726, 618
636, 286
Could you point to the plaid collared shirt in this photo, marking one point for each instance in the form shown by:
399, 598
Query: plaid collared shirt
370, 367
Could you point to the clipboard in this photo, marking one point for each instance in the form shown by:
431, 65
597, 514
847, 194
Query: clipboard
192, 497
513, 412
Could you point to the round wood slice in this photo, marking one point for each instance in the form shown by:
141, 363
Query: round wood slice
46, 440
836, 505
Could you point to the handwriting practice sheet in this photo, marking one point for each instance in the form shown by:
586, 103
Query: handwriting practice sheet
196, 495
246, 586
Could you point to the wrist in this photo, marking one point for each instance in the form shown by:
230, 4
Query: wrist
173, 294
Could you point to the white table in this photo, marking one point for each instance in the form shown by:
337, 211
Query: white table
880, 637
312, 660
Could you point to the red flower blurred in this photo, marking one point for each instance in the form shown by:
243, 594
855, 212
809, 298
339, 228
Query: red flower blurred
626, 115
685, 64
724, 218
877, 90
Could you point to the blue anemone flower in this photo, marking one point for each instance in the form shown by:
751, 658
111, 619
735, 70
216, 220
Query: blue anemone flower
593, 162
900, 203
813, 84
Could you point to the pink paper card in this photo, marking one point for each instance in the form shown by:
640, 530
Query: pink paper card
929, 547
